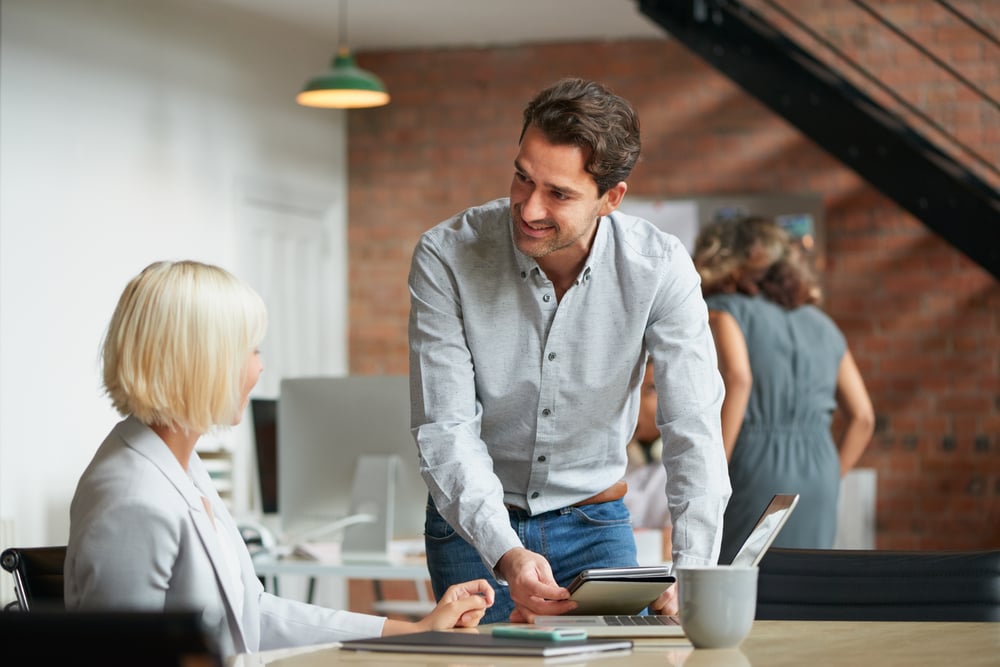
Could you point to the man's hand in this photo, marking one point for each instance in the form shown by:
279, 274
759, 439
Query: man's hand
533, 589
666, 604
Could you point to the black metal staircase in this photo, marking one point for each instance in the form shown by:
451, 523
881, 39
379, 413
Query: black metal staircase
894, 158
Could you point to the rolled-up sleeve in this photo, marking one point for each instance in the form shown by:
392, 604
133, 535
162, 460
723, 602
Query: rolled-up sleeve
690, 391
445, 414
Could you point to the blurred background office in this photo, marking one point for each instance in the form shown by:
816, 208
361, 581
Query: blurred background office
139, 129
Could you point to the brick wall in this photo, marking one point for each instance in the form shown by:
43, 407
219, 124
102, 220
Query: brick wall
922, 320
938, 62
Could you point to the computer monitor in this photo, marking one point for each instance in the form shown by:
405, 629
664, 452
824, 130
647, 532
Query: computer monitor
325, 424
264, 414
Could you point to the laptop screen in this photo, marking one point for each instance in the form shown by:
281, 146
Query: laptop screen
766, 529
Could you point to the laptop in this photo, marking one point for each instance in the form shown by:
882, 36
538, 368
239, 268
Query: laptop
770, 523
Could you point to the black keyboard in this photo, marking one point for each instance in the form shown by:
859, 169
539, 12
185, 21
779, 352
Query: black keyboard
651, 619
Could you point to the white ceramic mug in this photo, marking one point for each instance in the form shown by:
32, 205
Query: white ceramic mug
717, 604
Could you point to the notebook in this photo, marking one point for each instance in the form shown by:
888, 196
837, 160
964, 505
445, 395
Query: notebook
770, 523
477, 643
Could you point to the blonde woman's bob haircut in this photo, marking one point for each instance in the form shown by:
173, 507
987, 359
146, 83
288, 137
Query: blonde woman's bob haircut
176, 349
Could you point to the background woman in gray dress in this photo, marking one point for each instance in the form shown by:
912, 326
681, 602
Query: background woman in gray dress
787, 369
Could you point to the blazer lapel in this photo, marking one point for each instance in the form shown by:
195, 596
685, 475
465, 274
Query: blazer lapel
249, 622
141, 438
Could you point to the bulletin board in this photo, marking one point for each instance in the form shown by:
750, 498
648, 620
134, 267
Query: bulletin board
800, 214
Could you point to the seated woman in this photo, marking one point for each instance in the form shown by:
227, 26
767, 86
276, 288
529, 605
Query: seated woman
148, 530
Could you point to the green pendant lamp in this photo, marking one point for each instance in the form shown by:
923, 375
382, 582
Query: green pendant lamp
344, 85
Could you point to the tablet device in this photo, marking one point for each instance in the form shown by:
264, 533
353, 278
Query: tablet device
618, 590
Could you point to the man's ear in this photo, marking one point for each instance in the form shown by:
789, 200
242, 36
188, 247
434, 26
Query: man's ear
613, 197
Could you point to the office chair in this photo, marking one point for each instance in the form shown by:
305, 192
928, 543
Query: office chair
38, 576
874, 585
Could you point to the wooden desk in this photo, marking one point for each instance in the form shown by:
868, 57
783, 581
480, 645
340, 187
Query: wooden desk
770, 644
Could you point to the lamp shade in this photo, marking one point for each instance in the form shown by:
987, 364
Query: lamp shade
344, 86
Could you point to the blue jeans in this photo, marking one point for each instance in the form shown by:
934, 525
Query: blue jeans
571, 539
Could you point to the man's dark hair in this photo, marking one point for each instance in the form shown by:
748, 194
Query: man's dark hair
587, 114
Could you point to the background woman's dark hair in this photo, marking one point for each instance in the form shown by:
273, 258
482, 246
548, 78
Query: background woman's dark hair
754, 255
586, 114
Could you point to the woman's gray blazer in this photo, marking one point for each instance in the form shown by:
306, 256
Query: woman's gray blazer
140, 539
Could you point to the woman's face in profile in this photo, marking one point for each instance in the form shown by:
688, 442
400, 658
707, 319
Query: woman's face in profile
251, 373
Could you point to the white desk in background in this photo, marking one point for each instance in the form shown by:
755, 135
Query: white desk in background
409, 568
329, 564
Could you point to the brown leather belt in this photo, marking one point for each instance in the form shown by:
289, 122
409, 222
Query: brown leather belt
613, 492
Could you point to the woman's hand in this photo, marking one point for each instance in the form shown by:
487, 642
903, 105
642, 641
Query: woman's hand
462, 606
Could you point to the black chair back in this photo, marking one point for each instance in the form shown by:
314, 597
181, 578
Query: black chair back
38, 576
874, 585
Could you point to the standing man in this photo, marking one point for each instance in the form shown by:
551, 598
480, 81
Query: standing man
530, 321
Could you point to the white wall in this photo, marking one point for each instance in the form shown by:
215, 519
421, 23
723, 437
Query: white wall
132, 130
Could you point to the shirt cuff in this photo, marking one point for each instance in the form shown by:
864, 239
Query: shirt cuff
691, 561
492, 556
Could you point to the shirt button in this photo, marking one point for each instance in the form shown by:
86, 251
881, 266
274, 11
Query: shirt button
547, 298
552, 355
541, 459
535, 494
546, 412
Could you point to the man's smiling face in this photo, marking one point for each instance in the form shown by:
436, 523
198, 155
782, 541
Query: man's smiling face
554, 201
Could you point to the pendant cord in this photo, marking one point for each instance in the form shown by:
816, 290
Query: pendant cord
343, 23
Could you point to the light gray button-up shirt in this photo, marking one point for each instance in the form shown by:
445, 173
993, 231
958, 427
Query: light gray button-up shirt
519, 398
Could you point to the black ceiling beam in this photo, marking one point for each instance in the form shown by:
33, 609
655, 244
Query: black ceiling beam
841, 119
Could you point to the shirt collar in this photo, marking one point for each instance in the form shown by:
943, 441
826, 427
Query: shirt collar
527, 265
